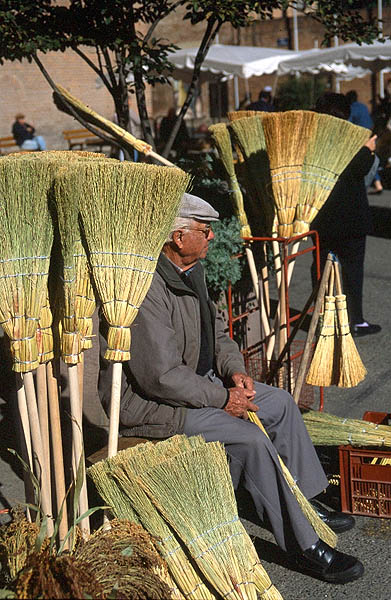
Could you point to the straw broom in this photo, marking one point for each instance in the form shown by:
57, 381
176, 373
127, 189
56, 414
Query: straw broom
193, 491
351, 369
127, 210
330, 430
330, 149
119, 134
26, 236
151, 455
323, 370
128, 500
287, 136
323, 530
222, 141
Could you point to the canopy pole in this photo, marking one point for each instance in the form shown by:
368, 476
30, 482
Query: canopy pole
236, 92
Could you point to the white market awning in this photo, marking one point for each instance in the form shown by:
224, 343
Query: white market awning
345, 59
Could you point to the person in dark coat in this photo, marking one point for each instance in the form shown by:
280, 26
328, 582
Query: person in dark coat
264, 102
344, 220
186, 376
24, 135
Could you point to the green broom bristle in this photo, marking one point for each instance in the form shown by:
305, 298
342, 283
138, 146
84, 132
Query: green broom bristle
193, 491
222, 140
329, 151
120, 471
329, 430
287, 135
249, 135
127, 210
26, 235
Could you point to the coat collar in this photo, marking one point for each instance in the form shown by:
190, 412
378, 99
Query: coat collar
171, 276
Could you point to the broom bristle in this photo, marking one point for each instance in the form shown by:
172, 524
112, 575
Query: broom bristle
287, 136
127, 210
241, 114
222, 141
327, 429
330, 150
26, 236
129, 498
249, 136
323, 369
351, 368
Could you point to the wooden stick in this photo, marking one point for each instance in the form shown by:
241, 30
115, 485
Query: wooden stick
115, 408
25, 441
77, 439
37, 447
57, 451
43, 413
311, 332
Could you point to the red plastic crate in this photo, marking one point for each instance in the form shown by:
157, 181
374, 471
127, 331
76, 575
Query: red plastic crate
365, 487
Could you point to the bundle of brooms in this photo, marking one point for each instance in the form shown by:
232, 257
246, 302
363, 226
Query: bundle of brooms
217, 543
329, 430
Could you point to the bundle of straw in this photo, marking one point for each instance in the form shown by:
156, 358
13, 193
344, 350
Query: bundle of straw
331, 147
117, 485
124, 558
323, 370
329, 430
351, 369
287, 136
323, 530
127, 210
222, 140
249, 136
199, 504
26, 235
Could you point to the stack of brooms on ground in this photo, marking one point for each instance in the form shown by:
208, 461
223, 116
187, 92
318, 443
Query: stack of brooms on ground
288, 163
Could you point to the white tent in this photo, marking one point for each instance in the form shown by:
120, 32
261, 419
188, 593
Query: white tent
341, 60
229, 61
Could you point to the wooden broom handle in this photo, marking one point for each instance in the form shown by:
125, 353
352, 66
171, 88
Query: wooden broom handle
37, 447
57, 452
338, 284
77, 435
311, 331
43, 412
115, 408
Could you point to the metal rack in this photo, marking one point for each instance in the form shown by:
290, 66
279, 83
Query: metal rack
254, 352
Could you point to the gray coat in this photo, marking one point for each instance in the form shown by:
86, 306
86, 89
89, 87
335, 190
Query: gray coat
160, 382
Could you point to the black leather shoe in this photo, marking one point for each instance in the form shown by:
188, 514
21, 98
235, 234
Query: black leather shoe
360, 330
337, 521
328, 564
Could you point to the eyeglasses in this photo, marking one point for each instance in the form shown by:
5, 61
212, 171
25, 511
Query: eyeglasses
206, 231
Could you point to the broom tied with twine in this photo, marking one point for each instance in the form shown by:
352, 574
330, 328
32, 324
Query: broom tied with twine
330, 430
127, 210
350, 366
330, 149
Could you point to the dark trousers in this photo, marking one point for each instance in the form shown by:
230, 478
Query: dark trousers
253, 456
351, 255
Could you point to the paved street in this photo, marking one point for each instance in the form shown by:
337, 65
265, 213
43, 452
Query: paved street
371, 538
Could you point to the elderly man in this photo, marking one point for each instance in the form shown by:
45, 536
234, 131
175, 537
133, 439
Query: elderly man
186, 376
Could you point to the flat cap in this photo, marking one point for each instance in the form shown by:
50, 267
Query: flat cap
193, 207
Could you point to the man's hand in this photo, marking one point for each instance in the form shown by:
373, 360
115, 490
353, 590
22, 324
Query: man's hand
240, 402
243, 380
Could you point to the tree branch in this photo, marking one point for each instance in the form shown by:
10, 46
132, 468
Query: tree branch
163, 16
207, 40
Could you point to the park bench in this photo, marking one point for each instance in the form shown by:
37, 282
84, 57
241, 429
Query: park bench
83, 139
8, 144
